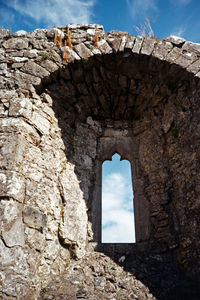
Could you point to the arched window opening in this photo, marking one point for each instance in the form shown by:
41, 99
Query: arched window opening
118, 224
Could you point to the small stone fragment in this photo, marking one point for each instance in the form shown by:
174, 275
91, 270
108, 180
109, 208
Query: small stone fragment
34, 218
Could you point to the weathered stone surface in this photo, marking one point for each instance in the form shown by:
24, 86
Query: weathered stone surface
83, 51
12, 185
115, 43
129, 43
176, 40
20, 33
123, 43
137, 45
194, 67
24, 80
20, 107
16, 43
104, 47
192, 47
35, 239
34, 69
34, 218
12, 227
161, 49
72, 55
4, 33
148, 46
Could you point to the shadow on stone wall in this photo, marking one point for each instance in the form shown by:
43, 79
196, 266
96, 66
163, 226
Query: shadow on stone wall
157, 270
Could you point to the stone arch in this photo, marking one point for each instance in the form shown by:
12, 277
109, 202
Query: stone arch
140, 96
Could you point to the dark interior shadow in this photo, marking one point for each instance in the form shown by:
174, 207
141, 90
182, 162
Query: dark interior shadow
158, 271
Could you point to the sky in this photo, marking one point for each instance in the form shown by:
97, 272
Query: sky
117, 202
167, 17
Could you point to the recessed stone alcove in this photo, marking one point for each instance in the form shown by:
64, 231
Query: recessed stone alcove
135, 96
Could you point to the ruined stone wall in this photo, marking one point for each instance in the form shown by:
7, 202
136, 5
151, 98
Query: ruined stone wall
60, 118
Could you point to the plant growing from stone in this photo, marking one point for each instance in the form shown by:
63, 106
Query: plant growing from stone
96, 38
69, 41
145, 29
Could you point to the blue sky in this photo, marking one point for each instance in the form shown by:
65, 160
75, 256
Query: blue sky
117, 202
177, 17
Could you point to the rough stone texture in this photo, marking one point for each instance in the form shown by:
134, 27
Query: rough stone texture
59, 120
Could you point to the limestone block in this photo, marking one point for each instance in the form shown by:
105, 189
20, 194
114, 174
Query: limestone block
173, 55
176, 40
91, 31
104, 47
13, 126
114, 43
12, 227
32, 53
16, 43
4, 33
186, 59
192, 47
129, 42
85, 26
24, 80
38, 34
12, 185
51, 250
137, 45
6, 255
73, 228
148, 46
123, 43
72, 55
20, 107
83, 51
194, 67
2, 55
3, 68
161, 49
15, 260
35, 239
95, 51
20, 33
34, 218
34, 69
51, 33
20, 59
40, 121
6, 94
183, 59
49, 65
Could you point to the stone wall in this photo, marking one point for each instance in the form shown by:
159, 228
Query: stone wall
63, 111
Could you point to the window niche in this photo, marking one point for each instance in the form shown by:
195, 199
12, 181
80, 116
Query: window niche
127, 148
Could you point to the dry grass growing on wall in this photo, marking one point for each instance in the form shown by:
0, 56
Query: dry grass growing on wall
145, 29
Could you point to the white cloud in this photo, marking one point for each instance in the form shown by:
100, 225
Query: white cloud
54, 12
138, 7
178, 31
117, 210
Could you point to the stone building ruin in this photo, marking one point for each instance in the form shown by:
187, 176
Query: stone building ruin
61, 118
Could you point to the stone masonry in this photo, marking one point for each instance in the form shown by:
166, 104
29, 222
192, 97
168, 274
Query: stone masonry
71, 97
